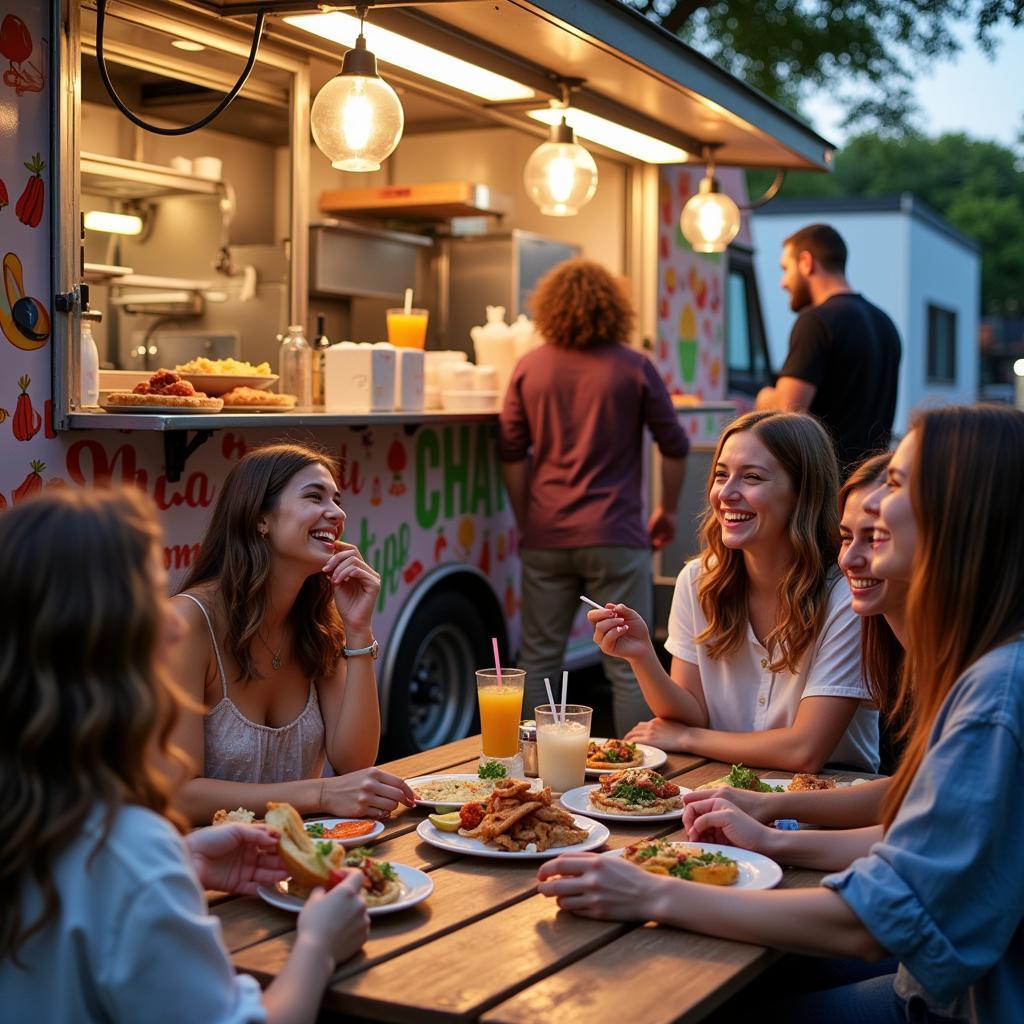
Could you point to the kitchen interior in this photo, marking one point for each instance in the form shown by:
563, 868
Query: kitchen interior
201, 260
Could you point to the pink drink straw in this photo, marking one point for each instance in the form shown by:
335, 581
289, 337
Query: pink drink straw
497, 663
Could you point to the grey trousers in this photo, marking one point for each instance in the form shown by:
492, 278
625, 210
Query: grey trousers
552, 583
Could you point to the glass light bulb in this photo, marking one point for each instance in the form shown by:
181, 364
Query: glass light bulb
710, 221
560, 177
357, 122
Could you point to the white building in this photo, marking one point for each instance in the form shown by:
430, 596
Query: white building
907, 260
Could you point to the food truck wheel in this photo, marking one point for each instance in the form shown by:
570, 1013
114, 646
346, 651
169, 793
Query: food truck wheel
432, 698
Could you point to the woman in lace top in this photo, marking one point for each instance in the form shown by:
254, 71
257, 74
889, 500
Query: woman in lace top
273, 602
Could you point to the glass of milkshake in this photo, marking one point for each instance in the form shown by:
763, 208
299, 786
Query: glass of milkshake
562, 746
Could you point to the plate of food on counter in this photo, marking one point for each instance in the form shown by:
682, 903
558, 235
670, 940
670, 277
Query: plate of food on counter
347, 831
745, 778
612, 755
387, 887
165, 392
707, 863
248, 399
217, 376
516, 822
630, 794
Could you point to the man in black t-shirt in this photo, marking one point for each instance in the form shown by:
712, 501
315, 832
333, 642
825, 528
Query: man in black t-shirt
844, 353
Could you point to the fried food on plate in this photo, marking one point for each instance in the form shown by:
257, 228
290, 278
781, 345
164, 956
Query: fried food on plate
518, 818
233, 367
614, 754
680, 860
244, 396
240, 815
636, 791
804, 782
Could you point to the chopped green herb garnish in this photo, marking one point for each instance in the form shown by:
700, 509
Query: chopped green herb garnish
743, 778
325, 848
633, 794
355, 856
387, 870
315, 829
492, 770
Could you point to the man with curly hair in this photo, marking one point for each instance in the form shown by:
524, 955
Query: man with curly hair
571, 446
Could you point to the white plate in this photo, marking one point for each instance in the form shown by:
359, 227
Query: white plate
214, 384
598, 836
576, 800
412, 783
162, 410
756, 870
416, 887
378, 827
653, 757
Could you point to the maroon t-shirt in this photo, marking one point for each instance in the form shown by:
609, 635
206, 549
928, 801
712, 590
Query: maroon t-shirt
581, 414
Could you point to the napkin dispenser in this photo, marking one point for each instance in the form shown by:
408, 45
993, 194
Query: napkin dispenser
359, 377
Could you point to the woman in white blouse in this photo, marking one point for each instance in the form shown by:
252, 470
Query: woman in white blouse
766, 666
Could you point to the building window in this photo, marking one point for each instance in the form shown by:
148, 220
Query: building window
941, 345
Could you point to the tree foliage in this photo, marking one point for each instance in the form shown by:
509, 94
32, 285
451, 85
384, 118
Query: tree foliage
866, 48
977, 186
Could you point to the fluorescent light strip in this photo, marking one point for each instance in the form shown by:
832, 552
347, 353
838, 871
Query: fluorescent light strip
113, 223
614, 136
413, 56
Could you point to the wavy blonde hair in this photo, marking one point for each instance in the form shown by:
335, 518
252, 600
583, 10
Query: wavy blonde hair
966, 593
804, 450
87, 715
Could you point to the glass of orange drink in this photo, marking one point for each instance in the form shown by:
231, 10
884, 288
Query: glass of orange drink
501, 709
407, 328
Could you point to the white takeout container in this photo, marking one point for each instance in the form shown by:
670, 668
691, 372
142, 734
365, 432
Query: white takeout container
470, 401
409, 379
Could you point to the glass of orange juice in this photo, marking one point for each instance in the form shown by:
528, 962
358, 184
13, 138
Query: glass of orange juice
407, 328
501, 709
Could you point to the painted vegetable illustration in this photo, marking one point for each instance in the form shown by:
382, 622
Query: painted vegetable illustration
440, 543
32, 484
15, 41
413, 572
4, 198
29, 207
3, 415
16, 45
26, 421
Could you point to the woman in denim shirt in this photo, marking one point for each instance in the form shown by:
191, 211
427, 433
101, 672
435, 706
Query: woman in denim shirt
939, 885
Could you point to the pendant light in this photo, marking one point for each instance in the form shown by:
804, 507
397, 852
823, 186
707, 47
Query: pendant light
357, 118
560, 176
710, 220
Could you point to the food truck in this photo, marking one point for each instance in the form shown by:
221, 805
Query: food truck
223, 237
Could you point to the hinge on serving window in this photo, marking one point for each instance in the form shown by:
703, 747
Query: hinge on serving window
177, 448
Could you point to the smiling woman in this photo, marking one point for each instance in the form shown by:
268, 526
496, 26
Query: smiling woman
271, 603
766, 667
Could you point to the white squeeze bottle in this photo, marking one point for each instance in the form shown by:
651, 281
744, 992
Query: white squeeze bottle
295, 365
88, 360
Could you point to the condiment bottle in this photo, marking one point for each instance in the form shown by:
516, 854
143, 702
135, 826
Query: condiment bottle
320, 346
88, 355
295, 365
528, 747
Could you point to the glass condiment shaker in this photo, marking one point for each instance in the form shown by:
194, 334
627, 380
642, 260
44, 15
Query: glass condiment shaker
320, 347
528, 747
295, 365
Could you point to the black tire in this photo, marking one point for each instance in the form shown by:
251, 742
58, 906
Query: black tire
433, 691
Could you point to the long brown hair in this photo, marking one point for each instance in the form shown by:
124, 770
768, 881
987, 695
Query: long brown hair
580, 304
86, 714
966, 593
235, 558
805, 452
881, 654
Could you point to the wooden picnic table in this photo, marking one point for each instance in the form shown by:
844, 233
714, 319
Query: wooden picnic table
487, 947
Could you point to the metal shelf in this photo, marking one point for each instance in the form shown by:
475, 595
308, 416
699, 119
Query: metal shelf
115, 178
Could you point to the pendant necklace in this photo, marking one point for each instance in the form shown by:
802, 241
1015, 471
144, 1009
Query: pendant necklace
275, 659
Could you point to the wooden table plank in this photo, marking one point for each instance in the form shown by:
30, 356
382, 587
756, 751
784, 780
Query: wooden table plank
440, 759
685, 976
463, 973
